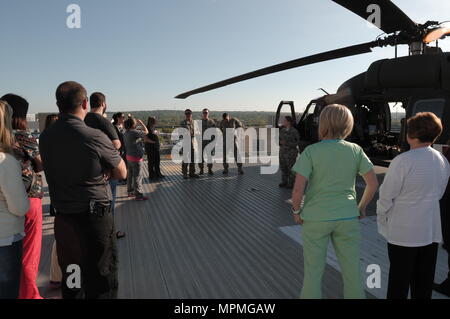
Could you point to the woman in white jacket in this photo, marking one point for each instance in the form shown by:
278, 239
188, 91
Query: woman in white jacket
408, 210
14, 204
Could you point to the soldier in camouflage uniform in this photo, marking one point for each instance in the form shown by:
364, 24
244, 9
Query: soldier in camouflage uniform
289, 139
206, 124
189, 124
229, 122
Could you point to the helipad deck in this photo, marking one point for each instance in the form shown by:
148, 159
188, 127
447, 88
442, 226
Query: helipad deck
219, 237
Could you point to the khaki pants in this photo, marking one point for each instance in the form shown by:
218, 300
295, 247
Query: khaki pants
55, 270
345, 237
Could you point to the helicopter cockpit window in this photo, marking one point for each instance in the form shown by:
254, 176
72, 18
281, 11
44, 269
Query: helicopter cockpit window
435, 105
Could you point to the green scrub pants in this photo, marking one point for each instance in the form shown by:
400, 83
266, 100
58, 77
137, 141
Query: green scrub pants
345, 237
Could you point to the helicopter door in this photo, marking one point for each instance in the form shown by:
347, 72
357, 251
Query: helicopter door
280, 106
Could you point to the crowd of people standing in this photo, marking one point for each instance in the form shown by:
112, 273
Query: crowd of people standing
85, 156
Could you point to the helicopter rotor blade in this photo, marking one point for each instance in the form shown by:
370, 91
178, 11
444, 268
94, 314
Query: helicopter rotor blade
392, 18
316, 58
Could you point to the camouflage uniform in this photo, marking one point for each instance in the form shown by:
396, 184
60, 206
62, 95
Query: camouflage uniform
224, 124
206, 124
189, 125
289, 139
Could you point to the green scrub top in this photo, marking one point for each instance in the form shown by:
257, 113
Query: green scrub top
331, 167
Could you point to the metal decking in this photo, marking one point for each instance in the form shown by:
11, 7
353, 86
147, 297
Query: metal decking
216, 237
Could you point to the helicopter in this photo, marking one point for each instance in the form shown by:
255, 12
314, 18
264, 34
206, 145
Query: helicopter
419, 82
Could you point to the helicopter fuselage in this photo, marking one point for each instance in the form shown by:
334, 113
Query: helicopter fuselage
418, 83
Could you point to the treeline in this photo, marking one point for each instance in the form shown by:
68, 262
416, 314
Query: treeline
173, 118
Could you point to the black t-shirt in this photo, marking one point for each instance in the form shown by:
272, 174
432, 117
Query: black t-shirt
152, 147
98, 122
75, 158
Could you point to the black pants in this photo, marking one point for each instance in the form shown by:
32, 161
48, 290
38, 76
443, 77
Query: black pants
411, 268
201, 165
89, 241
154, 163
191, 165
445, 221
225, 164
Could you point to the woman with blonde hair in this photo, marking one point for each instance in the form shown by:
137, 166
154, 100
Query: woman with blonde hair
14, 204
327, 170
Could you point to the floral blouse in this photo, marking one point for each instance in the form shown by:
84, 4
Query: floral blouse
26, 150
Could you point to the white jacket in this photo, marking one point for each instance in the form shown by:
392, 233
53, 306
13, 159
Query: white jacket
408, 210
14, 203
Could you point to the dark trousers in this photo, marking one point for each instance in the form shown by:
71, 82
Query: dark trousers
225, 164
201, 165
10, 270
445, 221
191, 165
154, 163
89, 241
411, 268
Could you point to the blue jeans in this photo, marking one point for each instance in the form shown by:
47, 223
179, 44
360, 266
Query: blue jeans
113, 184
10, 270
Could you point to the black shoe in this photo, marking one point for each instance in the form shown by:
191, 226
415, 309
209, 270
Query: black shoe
160, 176
282, 185
443, 288
201, 172
210, 172
185, 176
240, 171
225, 172
193, 176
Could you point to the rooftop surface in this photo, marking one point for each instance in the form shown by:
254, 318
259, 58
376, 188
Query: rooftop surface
221, 237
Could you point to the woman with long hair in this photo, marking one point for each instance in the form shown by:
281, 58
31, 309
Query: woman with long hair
26, 151
14, 204
118, 122
153, 150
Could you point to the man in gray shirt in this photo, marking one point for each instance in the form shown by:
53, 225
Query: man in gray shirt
78, 161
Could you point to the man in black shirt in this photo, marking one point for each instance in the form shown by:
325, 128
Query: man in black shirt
96, 119
77, 163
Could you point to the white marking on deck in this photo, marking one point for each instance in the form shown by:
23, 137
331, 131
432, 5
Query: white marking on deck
373, 251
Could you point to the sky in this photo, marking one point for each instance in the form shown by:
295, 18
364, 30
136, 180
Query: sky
142, 53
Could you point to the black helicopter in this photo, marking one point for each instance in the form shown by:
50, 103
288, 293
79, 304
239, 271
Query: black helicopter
418, 82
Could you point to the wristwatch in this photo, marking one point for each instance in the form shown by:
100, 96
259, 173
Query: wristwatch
295, 212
